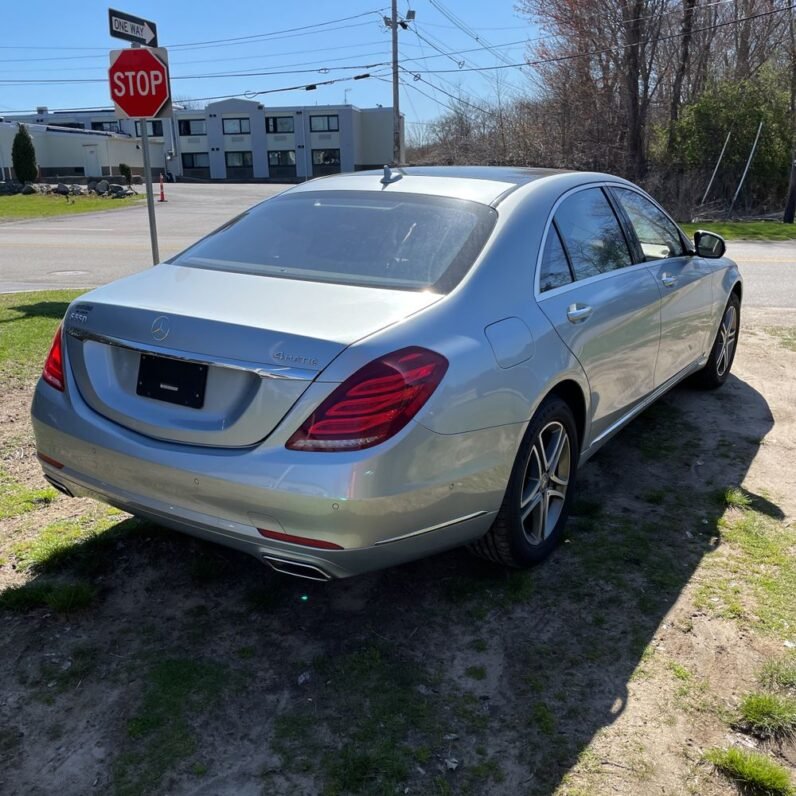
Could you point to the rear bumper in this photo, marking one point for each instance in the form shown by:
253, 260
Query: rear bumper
418, 494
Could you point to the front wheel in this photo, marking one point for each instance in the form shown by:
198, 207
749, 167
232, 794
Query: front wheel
539, 494
717, 368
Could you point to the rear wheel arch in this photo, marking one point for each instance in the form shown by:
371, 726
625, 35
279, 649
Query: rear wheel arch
572, 393
737, 289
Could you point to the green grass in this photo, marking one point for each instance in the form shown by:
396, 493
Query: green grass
768, 714
80, 545
745, 230
53, 678
655, 497
364, 720
61, 597
479, 593
735, 497
160, 734
680, 671
27, 324
785, 334
757, 773
780, 673
476, 672
543, 718
16, 499
752, 575
14, 208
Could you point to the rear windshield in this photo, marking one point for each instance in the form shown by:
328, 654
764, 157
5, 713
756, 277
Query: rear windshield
401, 241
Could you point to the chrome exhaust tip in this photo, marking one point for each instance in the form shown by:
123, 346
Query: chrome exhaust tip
58, 485
297, 569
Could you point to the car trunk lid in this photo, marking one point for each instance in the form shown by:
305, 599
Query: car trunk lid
215, 358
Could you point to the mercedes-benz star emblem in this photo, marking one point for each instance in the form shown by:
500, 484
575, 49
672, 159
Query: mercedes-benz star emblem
160, 328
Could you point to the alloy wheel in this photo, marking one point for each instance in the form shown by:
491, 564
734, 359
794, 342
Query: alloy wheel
544, 485
727, 336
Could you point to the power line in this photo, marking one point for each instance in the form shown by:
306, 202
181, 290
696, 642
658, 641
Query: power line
103, 71
209, 76
245, 94
447, 93
588, 53
199, 43
468, 30
185, 48
276, 32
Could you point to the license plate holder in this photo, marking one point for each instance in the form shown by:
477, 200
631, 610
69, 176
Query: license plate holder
172, 381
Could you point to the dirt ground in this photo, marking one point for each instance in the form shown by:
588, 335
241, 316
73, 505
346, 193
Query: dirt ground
610, 668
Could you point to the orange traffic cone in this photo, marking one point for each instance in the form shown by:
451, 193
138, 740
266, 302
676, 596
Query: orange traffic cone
162, 192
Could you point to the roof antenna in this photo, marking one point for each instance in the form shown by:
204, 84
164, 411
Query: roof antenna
389, 177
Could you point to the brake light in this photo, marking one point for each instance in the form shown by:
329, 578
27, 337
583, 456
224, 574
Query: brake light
374, 404
53, 372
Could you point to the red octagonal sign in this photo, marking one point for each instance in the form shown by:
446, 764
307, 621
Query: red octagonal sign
139, 80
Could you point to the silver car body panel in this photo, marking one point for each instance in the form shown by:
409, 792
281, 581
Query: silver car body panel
243, 326
278, 348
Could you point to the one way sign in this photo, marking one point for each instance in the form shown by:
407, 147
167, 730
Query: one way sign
126, 26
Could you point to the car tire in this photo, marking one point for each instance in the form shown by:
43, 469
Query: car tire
722, 355
536, 505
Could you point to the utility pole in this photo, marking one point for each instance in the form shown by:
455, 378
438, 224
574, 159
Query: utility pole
396, 110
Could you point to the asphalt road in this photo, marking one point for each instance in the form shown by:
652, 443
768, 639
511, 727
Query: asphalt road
91, 249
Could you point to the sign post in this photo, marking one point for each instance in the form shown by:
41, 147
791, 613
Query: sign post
139, 84
150, 198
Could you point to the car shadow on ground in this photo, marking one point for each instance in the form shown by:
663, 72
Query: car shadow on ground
40, 310
203, 672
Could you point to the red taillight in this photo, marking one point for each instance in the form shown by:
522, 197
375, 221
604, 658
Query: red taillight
321, 544
373, 404
53, 372
48, 460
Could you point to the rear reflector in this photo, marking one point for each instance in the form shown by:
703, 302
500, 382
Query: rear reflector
53, 372
302, 540
374, 404
48, 460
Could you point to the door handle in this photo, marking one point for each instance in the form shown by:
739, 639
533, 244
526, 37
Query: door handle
577, 313
668, 280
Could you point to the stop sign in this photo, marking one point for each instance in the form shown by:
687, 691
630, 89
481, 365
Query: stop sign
139, 81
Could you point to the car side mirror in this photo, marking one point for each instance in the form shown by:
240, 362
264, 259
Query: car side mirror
709, 244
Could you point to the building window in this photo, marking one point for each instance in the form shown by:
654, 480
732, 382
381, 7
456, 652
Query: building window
70, 125
192, 127
107, 127
324, 124
279, 124
237, 160
154, 128
285, 157
195, 160
235, 126
325, 157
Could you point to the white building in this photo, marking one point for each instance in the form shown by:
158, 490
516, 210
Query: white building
238, 139
73, 154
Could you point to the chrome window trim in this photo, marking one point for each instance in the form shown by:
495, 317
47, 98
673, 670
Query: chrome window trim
556, 291
684, 239
263, 371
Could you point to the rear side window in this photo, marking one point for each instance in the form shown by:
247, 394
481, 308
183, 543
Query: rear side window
592, 234
554, 270
657, 235
393, 240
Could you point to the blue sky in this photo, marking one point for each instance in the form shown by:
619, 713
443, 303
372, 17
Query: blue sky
47, 40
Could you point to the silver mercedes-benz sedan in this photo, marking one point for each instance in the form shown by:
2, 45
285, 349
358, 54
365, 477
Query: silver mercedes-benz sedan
373, 367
